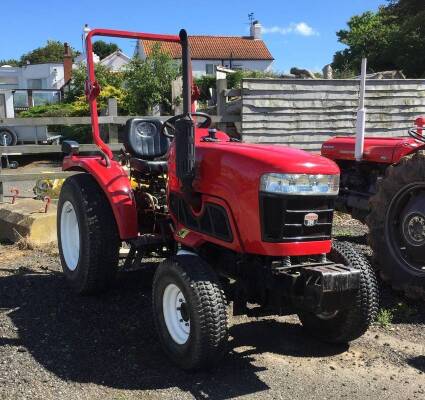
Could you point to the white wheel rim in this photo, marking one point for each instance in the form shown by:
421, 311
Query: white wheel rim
176, 318
70, 235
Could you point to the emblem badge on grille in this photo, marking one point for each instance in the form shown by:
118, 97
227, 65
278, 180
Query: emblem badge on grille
311, 219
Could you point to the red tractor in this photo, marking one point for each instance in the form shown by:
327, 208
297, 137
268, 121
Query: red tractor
383, 183
235, 222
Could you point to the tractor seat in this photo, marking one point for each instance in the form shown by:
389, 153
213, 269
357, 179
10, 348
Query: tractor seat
144, 142
147, 167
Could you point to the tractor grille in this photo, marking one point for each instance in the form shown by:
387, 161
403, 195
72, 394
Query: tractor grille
282, 217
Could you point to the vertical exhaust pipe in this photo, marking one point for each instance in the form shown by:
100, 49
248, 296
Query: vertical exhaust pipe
361, 115
185, 127
187, 72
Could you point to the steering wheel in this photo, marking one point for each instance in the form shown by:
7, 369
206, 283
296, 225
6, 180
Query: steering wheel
169, 123
415, 135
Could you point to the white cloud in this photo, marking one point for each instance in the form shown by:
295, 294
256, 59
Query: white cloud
299, 28
304, 29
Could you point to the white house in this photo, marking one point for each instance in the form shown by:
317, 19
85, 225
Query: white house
235, 52
114, 61
81, 59
32, 76
37, 77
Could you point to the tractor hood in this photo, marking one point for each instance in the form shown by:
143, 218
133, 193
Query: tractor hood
236, 163
271, 158
237, 167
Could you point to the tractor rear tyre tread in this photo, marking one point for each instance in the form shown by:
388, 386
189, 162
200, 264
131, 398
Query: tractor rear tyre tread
353, 322
207, 341
99, 239
410, 169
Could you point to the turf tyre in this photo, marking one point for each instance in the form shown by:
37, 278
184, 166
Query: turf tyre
206, 307
351, 323
99, 242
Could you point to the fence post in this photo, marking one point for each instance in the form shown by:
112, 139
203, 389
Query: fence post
176, 95
112, 128
221, 85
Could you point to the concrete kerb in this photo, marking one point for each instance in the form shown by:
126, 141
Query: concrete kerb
27, 220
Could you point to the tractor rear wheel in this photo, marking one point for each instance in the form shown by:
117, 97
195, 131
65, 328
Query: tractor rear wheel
189, 310
397, 226
87, 235
345, 325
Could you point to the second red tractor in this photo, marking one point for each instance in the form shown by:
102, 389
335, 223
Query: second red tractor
386, 189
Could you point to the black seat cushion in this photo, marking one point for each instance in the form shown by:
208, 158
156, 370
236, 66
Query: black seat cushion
147, 167
142, 138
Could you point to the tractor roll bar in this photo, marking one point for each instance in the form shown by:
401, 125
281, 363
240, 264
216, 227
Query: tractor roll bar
92, 86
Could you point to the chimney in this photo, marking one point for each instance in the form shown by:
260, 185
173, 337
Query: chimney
256, 30
67, 63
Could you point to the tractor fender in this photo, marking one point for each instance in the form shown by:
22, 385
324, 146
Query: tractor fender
115, 184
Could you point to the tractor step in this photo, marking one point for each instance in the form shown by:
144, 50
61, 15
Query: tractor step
140, 246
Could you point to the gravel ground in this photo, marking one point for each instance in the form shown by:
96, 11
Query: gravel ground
55, 345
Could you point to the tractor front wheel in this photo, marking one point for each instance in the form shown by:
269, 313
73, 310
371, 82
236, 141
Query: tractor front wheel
345, 325
87, 235
397, 226
189, 310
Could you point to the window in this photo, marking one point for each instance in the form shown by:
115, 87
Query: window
2, 106
35, 83
20, 99
209, 69
8, 82
40, 98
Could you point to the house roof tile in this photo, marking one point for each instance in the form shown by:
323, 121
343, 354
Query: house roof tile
216, 48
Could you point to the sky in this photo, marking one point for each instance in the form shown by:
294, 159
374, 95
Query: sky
298, 33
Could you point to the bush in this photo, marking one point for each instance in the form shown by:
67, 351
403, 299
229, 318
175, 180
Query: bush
49, 110
148, 82
234, 80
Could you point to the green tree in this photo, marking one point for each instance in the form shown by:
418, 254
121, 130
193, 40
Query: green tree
11, 61
51, 52
148, 82
103, 49
391, 38
369, 35
410, 43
